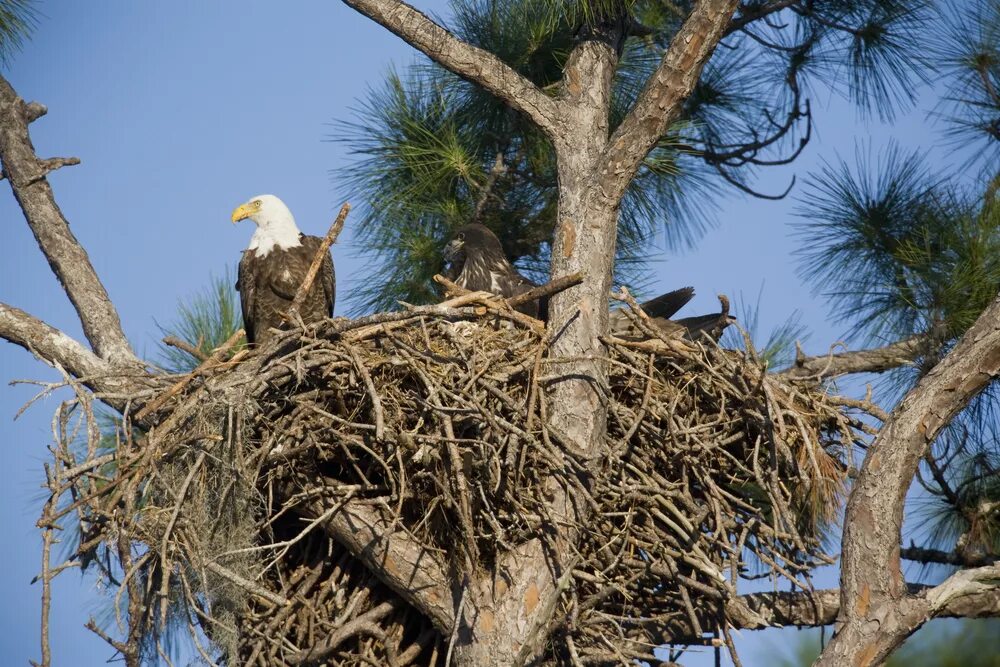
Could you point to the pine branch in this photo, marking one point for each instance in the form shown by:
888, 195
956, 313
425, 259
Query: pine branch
938, 557
875, 360
467, 61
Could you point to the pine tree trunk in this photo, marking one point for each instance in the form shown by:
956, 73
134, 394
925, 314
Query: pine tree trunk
506, 620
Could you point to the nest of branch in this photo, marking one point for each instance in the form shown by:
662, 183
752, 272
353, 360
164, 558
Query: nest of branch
213, 519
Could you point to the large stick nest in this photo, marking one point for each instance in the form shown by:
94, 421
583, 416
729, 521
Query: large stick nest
207, 518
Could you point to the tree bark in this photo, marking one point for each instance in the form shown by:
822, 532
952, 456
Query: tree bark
876, 611
875, 360
469, 62
663, 97
413, 572
69, 261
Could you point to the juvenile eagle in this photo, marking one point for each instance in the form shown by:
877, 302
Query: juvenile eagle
273, 267
478, 263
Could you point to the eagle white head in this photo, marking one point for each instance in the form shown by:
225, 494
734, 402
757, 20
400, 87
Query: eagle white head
276, 227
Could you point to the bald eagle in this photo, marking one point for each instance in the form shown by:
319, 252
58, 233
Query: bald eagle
273, 267
478, 263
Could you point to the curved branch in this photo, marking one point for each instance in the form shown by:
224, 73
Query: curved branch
388, 551
469, 62
661, 100
54, 347
750, 13
875, 360
877, 614
69, 261
49, 344
813, 609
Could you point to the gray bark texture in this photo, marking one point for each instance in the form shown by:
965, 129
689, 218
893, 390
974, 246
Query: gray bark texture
26, 174
876, 360
504, 616
877, 612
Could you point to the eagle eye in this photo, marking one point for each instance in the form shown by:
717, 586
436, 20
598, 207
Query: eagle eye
256, 204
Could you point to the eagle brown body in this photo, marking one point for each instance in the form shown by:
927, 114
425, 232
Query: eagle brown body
274, 267
478, 263
268, 284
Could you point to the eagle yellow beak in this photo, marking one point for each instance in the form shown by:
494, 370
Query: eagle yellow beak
241, 213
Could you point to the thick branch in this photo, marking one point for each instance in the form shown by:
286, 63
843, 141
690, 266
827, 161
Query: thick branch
399, 561
69, 261
469, 62
876, 612
757, 611
876, 360
920, 555
49, 343
661, 101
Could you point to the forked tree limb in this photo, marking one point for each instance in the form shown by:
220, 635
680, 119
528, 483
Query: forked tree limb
69, 261
877, 613
661, 100
469, 62
757, 611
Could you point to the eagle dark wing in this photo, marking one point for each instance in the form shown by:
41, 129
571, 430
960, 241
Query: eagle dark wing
694, 328
666, 305
711, 326
246, 285
268, 285
662, 307
658, 308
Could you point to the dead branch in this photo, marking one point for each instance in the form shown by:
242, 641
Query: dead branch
321, 253
69, 261
876, 360
184, 346
548, 289
213, 360
54, 346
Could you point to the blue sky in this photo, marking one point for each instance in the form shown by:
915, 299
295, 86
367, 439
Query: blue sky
181, 110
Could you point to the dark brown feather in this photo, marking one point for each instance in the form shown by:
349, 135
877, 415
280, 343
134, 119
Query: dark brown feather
478, 263
267, 287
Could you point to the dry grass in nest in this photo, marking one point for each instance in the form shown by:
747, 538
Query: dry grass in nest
713, 469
